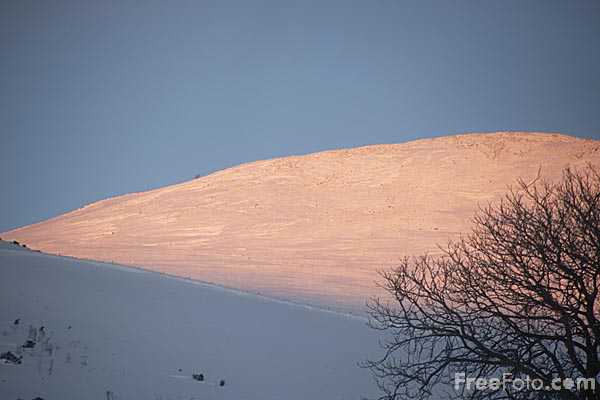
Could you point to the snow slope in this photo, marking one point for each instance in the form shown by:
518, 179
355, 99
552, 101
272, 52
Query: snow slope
315, 227
112, 332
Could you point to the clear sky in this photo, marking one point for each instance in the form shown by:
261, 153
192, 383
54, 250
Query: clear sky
109, 97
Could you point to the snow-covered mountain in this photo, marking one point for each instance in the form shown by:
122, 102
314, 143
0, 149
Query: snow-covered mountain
313, 227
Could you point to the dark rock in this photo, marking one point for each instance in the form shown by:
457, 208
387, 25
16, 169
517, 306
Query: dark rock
198, 377
221, 382
29, 344
9, 357
17, 321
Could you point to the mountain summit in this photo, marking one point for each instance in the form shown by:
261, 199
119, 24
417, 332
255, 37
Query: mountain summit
313, 227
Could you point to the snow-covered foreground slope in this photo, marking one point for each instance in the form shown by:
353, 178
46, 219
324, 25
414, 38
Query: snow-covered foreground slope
111, 332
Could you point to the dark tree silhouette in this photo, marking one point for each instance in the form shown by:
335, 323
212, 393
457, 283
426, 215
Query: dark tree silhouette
518, 296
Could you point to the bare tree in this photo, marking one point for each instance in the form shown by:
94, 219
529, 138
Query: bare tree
517, 296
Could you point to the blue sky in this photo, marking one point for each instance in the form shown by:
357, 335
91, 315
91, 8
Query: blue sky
105, 98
